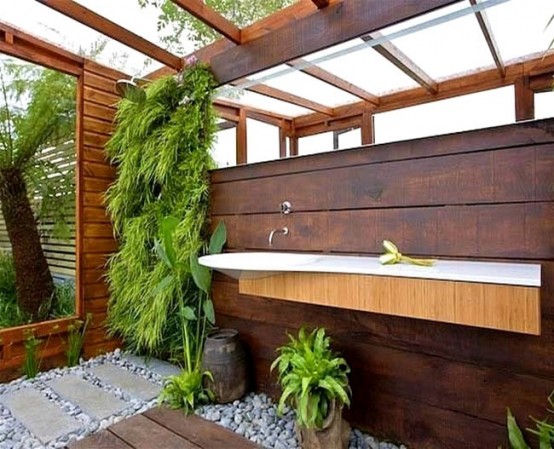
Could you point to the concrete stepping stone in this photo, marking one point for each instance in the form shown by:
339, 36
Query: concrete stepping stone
164, 369
132, 384
91, 399
44, 419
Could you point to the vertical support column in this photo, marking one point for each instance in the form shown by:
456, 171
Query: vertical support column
283, 128
242, 150
368, 134
336, 140
293, 148
525, 100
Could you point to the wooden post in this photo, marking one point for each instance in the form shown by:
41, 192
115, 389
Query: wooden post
242, 150
368, 135
9, 38
293, 150
525, 100
283, 139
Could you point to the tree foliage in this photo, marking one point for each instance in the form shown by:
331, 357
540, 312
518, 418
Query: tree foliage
161, 146
177, 23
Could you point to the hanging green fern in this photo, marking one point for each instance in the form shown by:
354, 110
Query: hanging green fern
161, 147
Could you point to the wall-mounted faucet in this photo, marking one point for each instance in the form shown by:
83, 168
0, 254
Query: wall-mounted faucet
283, 231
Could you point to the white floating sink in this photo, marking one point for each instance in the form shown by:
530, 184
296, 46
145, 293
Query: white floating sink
255, 265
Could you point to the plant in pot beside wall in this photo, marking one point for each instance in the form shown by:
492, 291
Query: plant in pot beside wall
314, 381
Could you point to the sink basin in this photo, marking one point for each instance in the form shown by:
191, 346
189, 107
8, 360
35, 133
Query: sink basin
257, 264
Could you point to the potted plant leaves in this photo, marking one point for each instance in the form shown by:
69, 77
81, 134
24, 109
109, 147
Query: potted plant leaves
314, 381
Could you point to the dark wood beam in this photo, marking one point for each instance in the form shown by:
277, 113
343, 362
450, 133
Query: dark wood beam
95, 21
525, 100
242, 150
227, 124
211, 18
393, 54
333, 80
321, 3
287, 97
483, 20
337, 23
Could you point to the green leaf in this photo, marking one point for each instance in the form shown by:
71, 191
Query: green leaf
544, 438
202, 275
218, 238
163, 284
209, 310
188, 313
514, 433
169, 224
162, 254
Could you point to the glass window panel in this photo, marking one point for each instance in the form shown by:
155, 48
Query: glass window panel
224, 150
262, 141
318, 143
268, 104
544, 105
480, 110
350, 139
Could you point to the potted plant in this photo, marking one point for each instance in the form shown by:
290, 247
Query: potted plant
314, 381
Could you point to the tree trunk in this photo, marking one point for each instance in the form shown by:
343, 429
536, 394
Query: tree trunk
33, 279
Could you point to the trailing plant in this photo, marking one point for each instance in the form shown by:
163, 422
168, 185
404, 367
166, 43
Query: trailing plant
544, 430
196, 314
162, 149
75, 338
312, 376
31, 363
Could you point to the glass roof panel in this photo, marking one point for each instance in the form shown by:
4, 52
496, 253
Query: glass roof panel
251, 11
519, 27
443, 50
45, 23
255, 100
311, 88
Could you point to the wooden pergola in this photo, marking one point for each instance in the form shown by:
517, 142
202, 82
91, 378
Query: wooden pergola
308, 26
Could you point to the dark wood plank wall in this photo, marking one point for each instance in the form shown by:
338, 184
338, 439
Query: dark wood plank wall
486, 194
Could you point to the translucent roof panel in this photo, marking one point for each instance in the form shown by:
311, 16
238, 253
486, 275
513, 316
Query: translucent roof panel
446, 49
311, 88
255, 100
519, 27
49, 25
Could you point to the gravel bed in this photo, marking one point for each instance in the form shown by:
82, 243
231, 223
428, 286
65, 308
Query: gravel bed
255, 416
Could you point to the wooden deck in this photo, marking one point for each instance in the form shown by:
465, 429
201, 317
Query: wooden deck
161, 428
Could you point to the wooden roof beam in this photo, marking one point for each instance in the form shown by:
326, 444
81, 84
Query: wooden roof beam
394, 55
95, 21
287, 97
483, 20
211, 18
333, 80
321, 3
339, 22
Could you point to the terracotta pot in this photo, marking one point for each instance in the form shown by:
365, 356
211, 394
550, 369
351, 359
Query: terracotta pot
333, 434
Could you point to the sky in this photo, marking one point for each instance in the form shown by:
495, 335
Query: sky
443, 50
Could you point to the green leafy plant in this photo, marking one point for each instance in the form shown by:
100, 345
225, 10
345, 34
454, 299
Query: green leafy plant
31, 363
75, 339
311, 376
544, 430
196, 315
182, 26
37, 111
162, 149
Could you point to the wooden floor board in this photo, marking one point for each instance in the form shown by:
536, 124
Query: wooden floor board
100, 440
199, 431
161, 428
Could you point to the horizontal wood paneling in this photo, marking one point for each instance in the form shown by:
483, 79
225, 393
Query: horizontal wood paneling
486, 194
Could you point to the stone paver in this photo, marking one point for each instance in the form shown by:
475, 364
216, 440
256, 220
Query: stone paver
45, 420
157, 366
89, 398
132, 384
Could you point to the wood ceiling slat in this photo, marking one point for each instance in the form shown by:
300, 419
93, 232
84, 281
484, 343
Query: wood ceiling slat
394, 55
485, 26
333, 80
89, 18
211, 18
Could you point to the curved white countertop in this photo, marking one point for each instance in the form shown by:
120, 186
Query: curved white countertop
253, 265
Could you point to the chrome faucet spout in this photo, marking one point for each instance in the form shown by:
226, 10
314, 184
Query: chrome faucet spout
283, 231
